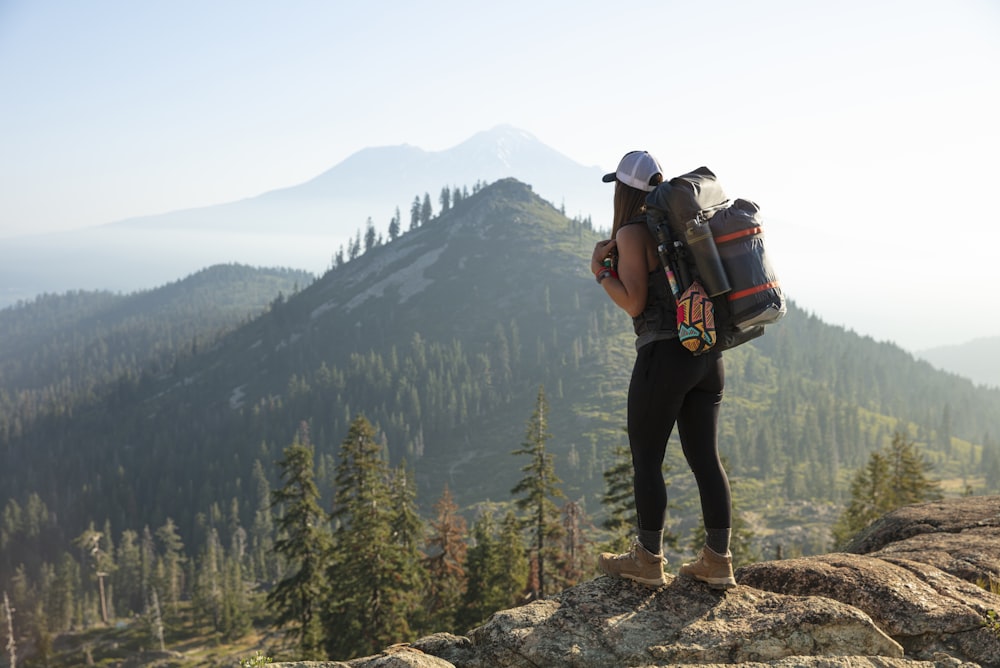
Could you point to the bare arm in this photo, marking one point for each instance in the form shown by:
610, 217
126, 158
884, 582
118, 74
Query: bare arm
629, 289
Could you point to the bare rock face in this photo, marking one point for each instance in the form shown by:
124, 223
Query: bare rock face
925, 610
916, 572
615, 623
906, 593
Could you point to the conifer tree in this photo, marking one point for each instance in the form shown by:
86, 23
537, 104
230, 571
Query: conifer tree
262, 556
100, 564
538, 489
147, 556
445, 564
207, 591
394, 226
371, 583
482, 596
65, 594
619, 500
415, 213
369, 234
445, 199
408, 535
236, 619
514, 561
128, 577
496, 569
894, 477
304, 543
172, 559
426, 210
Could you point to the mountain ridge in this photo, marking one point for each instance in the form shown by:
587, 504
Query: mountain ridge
442, 338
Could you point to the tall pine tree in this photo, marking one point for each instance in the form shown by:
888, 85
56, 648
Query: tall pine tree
304, 542
537, 490
371, 574
445, 564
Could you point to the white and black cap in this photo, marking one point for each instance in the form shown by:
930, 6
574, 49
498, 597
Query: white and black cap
637, 169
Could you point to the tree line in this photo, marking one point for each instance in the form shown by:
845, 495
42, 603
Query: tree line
368, 571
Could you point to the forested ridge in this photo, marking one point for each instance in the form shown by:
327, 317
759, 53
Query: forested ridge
170, 440
59, 351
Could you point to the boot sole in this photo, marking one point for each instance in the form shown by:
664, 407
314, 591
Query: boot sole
714, 583
649, 582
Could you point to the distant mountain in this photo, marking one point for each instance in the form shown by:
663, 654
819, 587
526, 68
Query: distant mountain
59, 350
978, 360
301, 226
443, 338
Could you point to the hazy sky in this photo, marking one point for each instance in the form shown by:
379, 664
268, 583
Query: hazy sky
865, 128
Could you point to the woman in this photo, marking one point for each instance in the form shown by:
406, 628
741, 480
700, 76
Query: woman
668, 385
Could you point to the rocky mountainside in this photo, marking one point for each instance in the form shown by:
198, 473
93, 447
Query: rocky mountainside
908, 592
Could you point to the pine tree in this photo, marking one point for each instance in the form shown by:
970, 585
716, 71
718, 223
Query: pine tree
537, 490
445, 199
304, 542
100, 564
619, 500
908, 474
128, 578
894, 477
172, 559
65, 593
262, 552
445, 564
208, 585
415, 213
371, 581
481, 597
236, 619
394, 226
408, 534
496, 569
369, 234
426, 211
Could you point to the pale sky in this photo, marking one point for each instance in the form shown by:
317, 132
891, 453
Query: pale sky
866, 129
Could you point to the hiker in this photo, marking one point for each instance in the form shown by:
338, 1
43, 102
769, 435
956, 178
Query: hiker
669, 384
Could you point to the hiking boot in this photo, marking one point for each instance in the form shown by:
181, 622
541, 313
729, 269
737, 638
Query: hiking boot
711, 567
637, 564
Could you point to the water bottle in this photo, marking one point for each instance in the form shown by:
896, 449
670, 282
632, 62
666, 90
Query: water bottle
662, 249
698, 236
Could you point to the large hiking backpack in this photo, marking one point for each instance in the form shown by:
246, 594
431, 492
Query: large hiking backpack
754, 297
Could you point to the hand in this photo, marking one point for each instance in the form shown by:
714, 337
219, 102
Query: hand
602, 251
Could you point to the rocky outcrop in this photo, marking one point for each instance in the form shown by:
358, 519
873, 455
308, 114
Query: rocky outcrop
905, 593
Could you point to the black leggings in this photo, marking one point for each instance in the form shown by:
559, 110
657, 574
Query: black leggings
670, 385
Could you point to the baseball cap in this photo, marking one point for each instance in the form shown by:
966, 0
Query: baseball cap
636, 169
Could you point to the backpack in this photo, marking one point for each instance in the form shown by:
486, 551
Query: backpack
706, 241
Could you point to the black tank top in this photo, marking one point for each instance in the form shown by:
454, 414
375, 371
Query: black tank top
658, 319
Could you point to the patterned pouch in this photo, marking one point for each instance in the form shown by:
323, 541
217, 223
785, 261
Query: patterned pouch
696, 319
